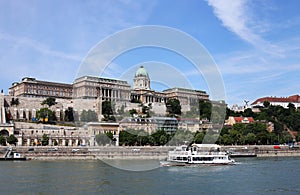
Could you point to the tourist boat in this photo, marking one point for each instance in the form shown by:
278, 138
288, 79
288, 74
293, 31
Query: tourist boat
206, 154
11, 155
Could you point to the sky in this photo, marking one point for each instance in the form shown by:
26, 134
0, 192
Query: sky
255, 44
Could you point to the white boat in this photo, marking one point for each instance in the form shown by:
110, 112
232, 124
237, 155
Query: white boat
208, 154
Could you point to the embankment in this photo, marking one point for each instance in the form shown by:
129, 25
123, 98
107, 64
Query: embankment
113, 152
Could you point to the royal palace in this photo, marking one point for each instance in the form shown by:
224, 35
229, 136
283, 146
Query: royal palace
18, 109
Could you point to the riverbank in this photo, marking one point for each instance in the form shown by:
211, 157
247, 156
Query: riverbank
154, 152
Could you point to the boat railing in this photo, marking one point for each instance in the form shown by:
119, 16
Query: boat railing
197, 153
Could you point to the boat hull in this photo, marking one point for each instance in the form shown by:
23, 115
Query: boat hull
180, 164
13, 159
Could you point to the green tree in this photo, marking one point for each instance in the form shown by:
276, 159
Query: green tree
46, 115
104, 138
163, 139
250, 138
248, 113
107, 111
45, 140
69, 116
142, 138
227, 139
298, 137
121, 110
173, 107
12, 140
205, 108
266, 104
199, 137
127, 138
146, 110
2, 141
50, 101
132, 112
236, 136
14, 102
88, 116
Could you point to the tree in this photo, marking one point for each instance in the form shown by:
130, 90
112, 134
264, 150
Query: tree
205, 109
2, 141
46, 115
163, 140
126, 138
173, 107
88, 116
107, 111
14, 102
298, 137
266, 104
104, 138
69, 116
50, 101
160, 137
45, 140
248, 113
132, 112
146, 110
199, 137
12, 140
250, 138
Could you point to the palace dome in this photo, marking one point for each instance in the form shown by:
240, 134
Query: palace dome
141, 72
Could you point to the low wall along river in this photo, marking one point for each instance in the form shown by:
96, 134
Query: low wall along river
113, 152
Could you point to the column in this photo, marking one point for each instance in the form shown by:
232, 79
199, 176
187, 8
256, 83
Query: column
27, 114
20, 141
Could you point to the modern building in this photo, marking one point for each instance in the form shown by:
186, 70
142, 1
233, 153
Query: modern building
149, 125
277, 101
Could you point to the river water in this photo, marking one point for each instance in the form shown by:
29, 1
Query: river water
248, 176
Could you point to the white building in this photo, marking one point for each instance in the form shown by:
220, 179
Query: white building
277, 101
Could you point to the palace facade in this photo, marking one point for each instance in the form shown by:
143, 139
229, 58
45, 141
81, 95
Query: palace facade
88, 93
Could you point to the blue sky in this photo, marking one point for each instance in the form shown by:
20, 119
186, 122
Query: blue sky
255, 44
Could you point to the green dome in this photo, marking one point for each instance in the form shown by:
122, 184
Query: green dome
141, 72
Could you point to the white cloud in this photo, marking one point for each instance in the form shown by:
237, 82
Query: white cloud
33, 44
236, 17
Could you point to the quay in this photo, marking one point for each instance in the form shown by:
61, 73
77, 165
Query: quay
134, 152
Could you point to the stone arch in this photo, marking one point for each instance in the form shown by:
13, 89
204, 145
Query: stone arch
4, 133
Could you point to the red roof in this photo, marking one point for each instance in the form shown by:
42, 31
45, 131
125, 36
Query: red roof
240, 119
293, 98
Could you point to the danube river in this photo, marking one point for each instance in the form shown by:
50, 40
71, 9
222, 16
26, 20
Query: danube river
248, 176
